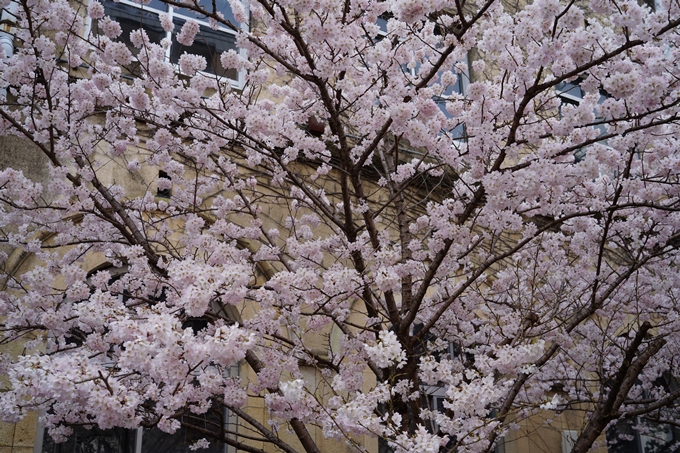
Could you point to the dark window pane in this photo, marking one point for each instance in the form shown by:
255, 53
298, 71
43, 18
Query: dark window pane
439, 404
221, 6
650, 3
209, 44
569, 89
156, 441
163, 193
382, 23
95, 440
383, 446
572, 94
383, 19
131, 18
157, 5
622, 438
579, 155
458, 132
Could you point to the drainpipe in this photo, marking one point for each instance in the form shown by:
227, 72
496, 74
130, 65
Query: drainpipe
7, 19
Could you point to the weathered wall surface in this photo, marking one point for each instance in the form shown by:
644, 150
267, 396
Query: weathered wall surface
21, 155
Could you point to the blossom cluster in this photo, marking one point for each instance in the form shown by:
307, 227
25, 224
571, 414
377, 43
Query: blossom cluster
469, 215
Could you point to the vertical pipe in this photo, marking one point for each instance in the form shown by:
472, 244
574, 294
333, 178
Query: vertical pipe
7, 20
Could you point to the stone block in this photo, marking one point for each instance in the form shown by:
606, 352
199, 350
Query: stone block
24, 434
6, 435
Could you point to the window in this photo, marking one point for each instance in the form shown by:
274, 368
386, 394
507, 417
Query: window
654, 5
382, 23
642, 436
141, 440
462, 80
209, 43
457, 131
572, 94
434, 396
569, 93
164, 184
92, 439
116, 440
120, 440
569, 438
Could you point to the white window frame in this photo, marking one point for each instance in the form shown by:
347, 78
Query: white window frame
245, 26
569, 437
566, 94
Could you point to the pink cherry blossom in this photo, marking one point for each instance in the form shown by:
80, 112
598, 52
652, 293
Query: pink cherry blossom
417, 220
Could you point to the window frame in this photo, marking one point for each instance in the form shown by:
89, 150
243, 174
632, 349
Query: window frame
463, 82
237, 83
639, 442
229, 417
567, 97
230, 422
441, 100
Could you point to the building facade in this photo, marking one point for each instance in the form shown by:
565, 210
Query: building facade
419, 226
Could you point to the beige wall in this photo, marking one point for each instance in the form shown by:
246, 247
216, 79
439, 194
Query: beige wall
18, 437
542, 433
20, 155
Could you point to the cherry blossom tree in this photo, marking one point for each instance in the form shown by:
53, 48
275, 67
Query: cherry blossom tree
391, 199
